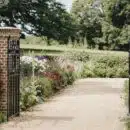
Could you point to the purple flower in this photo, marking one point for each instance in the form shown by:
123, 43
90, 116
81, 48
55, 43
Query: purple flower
41, 57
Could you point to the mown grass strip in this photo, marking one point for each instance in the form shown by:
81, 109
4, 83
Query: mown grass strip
61, 50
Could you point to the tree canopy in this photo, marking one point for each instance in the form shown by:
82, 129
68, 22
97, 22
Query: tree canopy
105, 22
102, 23
38, 17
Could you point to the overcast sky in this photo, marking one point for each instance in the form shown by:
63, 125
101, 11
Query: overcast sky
67, 3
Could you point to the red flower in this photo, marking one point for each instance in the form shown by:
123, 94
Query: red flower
52, 75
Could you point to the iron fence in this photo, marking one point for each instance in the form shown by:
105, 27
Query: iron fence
13, 77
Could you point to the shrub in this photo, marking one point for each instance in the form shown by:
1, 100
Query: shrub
126, 91
112, 72
44, 88
78, 56
100, 69
103, 64
69, 77
34, 91
87, 71
106, 66
28, 93
122, 72
2, 118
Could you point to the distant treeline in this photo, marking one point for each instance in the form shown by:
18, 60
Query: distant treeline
101, 24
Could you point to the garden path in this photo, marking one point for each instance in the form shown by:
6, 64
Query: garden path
91, 104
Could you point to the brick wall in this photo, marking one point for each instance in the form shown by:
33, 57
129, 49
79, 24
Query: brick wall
4, 35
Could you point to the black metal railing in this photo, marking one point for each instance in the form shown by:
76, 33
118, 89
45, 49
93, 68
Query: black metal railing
13, 78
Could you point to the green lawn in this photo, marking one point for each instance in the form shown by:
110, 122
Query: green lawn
58, 50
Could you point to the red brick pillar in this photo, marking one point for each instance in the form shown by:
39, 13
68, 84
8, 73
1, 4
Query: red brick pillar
5, 33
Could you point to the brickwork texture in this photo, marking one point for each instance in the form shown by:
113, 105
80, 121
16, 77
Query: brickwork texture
5, 33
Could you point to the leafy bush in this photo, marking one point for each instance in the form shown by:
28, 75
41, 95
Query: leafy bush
78, 56
106, 66
112, 72
44, 88
87, 70
28, 93
34, 91
68, 77
100, 64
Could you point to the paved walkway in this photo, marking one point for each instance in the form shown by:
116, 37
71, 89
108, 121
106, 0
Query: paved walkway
91, 104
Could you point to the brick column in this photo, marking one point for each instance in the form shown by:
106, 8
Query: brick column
5, 33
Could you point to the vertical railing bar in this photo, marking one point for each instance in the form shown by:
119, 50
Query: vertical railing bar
8, 77
13, 63
18, 42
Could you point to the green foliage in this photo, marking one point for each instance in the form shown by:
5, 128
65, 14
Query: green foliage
121, 13
33, 40
105, 66
124, 36
2, 117
78, 56
110, 36
44, 87
79, 6
105, 23
89, 22
28, 93
126, 100
85, 42
108, 66
126, 91
102, 24
41, 89
112, 65
107, 6
44, 18
35, 88
26, 69
87, 70
69, 77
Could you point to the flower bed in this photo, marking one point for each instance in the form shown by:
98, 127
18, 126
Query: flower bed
41, 77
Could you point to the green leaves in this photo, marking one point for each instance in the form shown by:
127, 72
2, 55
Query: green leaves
106, 66
41, 17
121, 13
105, 24
2, 117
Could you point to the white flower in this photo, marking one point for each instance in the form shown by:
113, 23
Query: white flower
28, 60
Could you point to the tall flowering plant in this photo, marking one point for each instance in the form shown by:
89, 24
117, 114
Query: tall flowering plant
29, 63
52, 71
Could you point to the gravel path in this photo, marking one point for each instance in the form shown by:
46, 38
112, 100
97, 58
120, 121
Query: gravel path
90, 104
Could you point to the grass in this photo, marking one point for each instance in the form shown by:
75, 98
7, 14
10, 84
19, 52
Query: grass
59, 50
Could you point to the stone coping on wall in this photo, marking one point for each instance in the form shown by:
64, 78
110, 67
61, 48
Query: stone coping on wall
9, 31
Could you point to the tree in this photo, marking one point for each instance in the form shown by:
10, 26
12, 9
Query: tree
104, 22
88, 17
121, 13
38, 17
